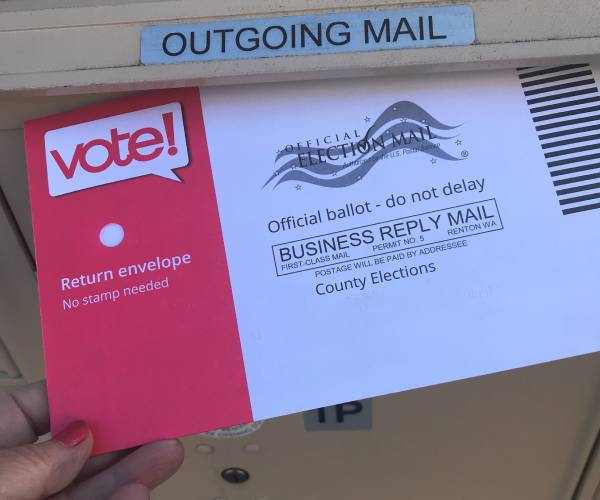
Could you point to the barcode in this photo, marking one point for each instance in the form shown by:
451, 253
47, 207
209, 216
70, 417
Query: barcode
565, 106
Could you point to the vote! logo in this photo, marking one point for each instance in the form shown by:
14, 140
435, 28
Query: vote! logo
149, 141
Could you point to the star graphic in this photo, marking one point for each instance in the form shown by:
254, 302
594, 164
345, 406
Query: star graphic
298, 187
433, 161
458, 142
424, 121
294, 166
403, 120
367, 119
334, 174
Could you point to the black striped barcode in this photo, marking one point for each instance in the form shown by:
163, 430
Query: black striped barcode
565, 106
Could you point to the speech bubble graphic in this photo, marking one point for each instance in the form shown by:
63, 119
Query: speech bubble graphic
149, 141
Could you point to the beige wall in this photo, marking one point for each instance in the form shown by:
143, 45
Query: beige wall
59, 46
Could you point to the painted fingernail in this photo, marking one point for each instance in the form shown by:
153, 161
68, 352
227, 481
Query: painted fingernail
74, 434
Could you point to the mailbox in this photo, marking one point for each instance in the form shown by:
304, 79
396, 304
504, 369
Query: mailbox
526, 434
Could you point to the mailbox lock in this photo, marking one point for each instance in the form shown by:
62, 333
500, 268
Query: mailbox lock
235, 475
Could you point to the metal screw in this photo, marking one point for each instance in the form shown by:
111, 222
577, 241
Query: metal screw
252, 448
235, 475
204, 449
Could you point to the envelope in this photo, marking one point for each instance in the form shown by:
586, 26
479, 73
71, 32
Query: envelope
210, 257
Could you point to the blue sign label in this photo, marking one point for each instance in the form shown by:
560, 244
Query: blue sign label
304, 35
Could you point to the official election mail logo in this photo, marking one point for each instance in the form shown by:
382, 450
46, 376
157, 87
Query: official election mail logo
342, 159
149, 141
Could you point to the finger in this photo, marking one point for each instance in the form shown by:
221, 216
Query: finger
38, 470
23, 415
149, 466
131, 492
99, 463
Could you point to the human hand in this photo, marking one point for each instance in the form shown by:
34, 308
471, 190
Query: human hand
61, 468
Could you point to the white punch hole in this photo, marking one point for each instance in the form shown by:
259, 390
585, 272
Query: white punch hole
112, 235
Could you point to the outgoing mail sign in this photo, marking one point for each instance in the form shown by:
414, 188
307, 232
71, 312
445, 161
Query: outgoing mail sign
305, 35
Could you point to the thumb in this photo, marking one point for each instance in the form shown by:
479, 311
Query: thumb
36, 471
131, 492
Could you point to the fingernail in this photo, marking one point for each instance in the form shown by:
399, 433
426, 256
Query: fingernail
74, 434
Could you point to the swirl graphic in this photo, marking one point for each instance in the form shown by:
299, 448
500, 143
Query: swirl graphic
403, 125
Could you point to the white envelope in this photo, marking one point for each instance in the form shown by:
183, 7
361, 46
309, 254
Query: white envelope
454, 241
